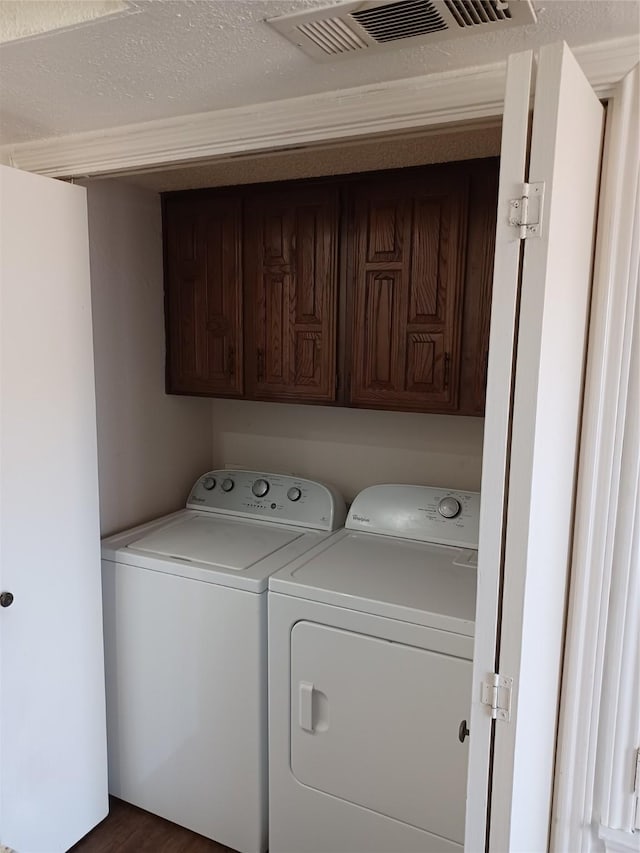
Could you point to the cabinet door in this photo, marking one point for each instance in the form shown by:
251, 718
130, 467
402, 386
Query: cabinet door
290, 274
407, 256
203, 295
481, 238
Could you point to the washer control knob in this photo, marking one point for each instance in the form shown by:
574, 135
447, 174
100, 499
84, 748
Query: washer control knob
209, 483
260, 488
227, 484
294, 493
449, 507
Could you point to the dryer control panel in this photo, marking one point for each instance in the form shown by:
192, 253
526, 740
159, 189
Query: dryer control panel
425, 513
273, 497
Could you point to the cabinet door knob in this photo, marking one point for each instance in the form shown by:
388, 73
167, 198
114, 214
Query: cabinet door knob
463, 731
260, 365
6, 599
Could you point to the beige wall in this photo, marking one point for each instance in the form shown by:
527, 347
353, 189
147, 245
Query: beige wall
337, 159
350, 448
151, 447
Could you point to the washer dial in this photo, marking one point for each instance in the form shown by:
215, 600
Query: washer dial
209, 483
260, 488
227, 484
294, 493
449, 507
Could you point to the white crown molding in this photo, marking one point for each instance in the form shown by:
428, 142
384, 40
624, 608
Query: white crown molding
396, 106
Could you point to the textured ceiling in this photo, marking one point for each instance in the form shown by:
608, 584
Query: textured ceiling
176, 57
19, 19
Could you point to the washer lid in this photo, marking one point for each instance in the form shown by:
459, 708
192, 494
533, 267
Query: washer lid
216, 541
413, 581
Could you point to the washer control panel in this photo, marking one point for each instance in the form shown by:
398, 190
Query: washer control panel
425, 513
273, 497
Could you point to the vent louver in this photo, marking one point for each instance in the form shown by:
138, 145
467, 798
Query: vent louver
406, 19
469, 13
332, 36
348, 29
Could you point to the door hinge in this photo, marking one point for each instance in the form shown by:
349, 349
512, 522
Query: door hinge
496, 693
525, 212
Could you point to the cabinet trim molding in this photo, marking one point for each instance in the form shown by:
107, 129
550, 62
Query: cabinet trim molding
396, 106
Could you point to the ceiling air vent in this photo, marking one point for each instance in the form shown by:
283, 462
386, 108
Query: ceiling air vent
406, 19
349, 29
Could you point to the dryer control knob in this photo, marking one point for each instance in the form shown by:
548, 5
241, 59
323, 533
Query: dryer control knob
227, 484
294, 493
209, 483
260, 488
449, 507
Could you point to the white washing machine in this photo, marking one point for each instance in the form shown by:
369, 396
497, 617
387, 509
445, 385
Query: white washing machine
185, 619
370, 660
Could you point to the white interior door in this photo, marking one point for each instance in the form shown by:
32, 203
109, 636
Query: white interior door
541, 290
53, 776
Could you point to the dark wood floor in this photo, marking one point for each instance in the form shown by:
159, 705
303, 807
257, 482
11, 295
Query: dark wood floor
131, 830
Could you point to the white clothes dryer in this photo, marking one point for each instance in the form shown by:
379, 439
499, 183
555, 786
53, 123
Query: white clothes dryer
185, 621
370, 660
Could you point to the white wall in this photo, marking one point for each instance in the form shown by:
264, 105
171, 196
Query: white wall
350, 448
151, 446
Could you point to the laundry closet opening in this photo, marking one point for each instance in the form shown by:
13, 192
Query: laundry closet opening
345, 432
352, 448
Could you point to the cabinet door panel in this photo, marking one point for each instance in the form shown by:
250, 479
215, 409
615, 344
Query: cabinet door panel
276, 286
291, 272
308, 363
380, 298
204, 287
426, 300
425, 361
408, 256
384, 220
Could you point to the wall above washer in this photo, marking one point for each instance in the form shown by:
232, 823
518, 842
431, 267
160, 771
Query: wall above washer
350, 448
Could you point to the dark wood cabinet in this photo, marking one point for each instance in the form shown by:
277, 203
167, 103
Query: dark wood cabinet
290, 279
203, 274
371, 290
476, 313
407, 245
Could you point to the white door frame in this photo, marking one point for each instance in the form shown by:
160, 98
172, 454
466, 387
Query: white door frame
594, 792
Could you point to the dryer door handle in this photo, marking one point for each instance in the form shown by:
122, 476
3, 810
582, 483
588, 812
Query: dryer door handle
305, 696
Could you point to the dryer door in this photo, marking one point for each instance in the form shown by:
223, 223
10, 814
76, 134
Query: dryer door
376, 723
